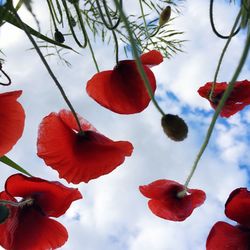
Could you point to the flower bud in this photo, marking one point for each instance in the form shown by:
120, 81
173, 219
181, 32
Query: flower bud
165, 16
72, 21
174, 127
59, 36
4, 213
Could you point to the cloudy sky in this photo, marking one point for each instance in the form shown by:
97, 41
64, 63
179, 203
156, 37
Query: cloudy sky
113, 214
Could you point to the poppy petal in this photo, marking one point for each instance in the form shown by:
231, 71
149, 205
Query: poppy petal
238, 99
166, 204
152, 58
121, 90
36, 232
8, 227
237, 207
12, 118
52, 197
223, 236
78, 157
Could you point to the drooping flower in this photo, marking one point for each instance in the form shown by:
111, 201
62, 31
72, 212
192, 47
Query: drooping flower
122, 89
12, 118
78, 157
224, 236
29, 226
238, 99
165, 202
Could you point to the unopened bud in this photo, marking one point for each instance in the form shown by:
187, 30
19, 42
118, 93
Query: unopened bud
4, 213
72, 21
59, 36
165, 16
174, 127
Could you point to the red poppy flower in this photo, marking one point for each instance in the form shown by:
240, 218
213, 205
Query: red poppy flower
224, 236
11, 120
165, 203
238, 99
29, 226
122, 89
78, 156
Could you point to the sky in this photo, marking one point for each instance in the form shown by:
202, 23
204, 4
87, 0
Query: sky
113, 215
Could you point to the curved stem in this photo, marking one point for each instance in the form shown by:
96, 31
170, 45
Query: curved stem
6, 75
220, 106
109, 26
78, 11
144, 19
213, 25
223, 53
47, 67
84, 45
137, 58
52, 14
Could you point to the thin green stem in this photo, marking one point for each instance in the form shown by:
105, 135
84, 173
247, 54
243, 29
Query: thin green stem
47, 66
222, 55
137, 58
52, 14
78, 11
113, 32
17, 204
144, 19
220, 106
72, 28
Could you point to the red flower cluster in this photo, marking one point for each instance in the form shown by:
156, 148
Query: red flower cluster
29, 226
224, 236
122, 89
12, 118
78, 156
165, 202
238, 99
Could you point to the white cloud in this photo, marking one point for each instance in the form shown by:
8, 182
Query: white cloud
113, 214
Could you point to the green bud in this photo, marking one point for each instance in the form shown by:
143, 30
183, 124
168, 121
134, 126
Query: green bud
174, 127
4, 213
165, 16
59, 36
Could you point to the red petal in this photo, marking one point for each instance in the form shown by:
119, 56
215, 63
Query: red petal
158, 189
11, 120
223, 236
165, 203
121, 90
237, 207
238, 99
8, 227
78, 157
52, 197
152, 58
33, 231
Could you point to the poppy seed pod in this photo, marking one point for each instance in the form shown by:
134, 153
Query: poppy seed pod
4, 213
174, 127
165, 16
59, 36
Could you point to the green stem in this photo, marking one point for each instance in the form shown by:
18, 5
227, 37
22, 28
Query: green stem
78, 11
137, 58
17, 204
52, 14
144, 19
47, 66
222, 55
220, 106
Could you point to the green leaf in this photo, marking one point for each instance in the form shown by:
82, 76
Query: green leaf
6, 160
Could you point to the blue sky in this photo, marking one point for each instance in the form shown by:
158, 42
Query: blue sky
113, 214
